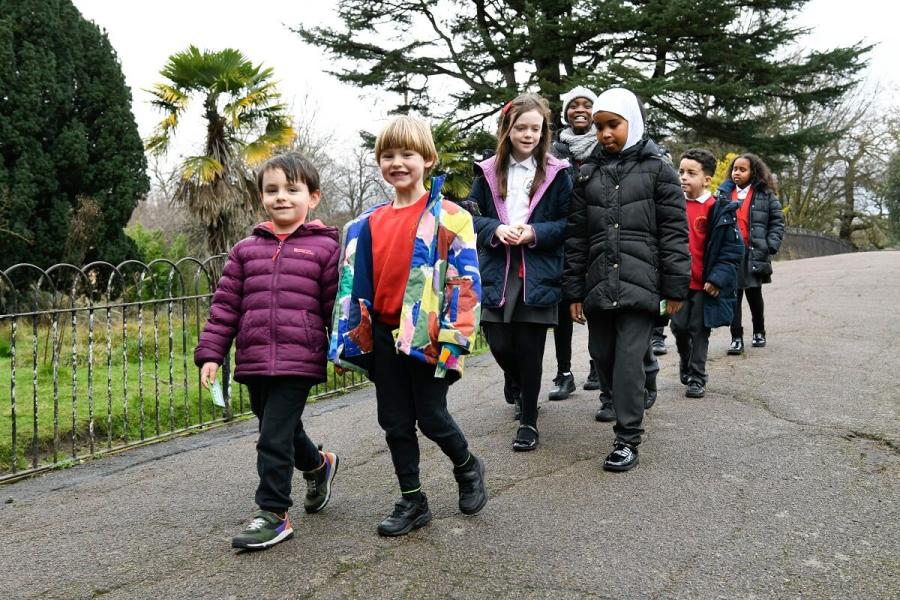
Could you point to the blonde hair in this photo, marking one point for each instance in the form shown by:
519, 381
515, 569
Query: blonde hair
409, 134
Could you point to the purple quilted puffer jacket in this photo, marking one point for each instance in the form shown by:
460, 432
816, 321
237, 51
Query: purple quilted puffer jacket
275, 298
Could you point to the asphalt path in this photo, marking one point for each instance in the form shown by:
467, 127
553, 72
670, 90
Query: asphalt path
783, 482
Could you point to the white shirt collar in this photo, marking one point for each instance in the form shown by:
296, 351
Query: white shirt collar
706, 195
529, 163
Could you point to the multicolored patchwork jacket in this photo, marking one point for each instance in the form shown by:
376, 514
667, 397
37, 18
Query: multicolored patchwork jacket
442, 301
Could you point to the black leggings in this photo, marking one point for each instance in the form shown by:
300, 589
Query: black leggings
755, 300
562, 338
519, 350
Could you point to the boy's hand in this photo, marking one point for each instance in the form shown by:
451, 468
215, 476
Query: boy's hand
673, 306
576, 312
507, 234
711, 289
208, 374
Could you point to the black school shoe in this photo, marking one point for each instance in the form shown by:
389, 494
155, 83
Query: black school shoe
407, 515
563, 385
759, 340
593, 379
695, 389
526, 439
649, 398
623, 458
472, 493
659, 347
736, 347
607, 412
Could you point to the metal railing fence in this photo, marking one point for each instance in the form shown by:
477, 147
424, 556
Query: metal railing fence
100, 357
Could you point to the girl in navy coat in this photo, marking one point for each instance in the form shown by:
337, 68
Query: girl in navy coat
761, 223
522, 194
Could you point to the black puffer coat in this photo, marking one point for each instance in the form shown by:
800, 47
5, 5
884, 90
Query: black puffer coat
766, 231
627, 234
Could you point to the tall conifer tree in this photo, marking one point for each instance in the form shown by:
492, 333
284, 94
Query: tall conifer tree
68, 138
706, 66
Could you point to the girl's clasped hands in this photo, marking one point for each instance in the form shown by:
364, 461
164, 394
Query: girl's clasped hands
515, 235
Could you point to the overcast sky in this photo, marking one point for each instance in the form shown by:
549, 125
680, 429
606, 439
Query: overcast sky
145, 34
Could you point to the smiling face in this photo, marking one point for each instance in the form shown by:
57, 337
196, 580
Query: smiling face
578, 115
693, 180
741, 173
403, 168
612, 131
287, 202
526, 134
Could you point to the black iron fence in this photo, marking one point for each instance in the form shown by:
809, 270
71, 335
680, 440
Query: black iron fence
100, 357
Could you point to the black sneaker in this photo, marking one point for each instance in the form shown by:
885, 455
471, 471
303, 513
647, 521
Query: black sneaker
622, 458
695, 389
759, 340
472, 493
593, 379
563, 385
736, 347
407, 515
607, 412
659, 347
649, 398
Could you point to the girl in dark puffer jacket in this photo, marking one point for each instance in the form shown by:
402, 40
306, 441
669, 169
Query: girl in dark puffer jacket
626, 249
275, 297
761, 223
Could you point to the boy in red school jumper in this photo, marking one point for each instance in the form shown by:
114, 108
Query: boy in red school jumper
716, 252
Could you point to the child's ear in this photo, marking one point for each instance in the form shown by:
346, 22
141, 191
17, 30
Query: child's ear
429, 163
707, 179
314, 198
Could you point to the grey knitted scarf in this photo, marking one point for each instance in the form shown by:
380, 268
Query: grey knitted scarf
580, 145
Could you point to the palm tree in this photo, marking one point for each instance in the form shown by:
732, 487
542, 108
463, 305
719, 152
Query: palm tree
245, 123
453, 159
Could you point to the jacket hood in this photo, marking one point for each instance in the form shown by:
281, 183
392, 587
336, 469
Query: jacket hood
315, 227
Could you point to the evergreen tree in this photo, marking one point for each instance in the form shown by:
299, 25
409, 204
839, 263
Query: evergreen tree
701, 65
67, 134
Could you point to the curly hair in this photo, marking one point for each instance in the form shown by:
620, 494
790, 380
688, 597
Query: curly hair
760, 175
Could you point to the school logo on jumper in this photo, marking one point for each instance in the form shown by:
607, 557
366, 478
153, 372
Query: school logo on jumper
700, 225
304, 251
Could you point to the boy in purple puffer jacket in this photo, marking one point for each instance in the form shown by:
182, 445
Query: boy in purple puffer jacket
275, 296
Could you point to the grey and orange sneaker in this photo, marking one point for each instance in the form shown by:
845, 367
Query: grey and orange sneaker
264, 531
318, 482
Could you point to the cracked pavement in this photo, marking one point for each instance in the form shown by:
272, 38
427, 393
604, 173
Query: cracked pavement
783, 482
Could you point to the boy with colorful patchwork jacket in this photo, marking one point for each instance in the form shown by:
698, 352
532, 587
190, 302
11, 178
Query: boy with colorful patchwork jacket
408, 306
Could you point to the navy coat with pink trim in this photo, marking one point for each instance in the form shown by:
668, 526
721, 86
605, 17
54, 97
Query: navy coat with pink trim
543, 260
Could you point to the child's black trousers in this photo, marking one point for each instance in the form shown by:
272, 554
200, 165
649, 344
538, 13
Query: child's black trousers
408, 394
618, 341
692, 337
278, 402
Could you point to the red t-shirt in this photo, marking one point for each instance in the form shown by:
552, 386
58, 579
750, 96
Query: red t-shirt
393, 239
743, 214
698, 225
